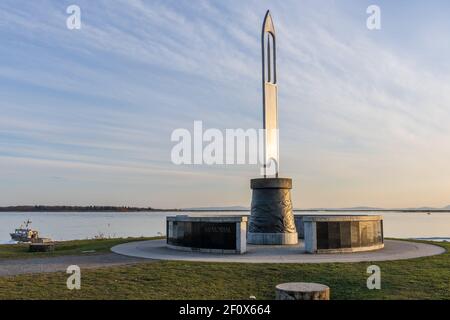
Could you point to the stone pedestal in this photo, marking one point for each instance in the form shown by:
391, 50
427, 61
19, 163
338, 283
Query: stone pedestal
272, 220
302, 291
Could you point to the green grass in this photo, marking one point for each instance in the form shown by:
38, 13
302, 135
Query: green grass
422, 278
75, 247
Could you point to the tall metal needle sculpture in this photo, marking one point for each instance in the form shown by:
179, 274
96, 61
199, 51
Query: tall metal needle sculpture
271, 219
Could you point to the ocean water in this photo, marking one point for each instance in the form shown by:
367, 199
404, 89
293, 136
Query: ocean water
84, 225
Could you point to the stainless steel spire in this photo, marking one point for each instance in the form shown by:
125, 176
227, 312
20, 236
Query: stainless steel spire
270, 97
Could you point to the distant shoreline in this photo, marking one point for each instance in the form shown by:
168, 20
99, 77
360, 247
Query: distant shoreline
78, 209
149, 209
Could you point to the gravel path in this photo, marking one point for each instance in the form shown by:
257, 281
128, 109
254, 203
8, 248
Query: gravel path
56, 264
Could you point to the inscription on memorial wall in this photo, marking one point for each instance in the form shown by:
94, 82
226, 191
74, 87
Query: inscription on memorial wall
202, 235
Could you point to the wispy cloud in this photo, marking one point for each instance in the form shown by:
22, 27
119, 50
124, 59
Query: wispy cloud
363, 114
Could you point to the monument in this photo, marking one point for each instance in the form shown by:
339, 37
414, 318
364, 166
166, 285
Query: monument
271, 220
301, 238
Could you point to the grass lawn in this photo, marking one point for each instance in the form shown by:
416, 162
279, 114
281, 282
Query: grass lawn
75, 247
423, 278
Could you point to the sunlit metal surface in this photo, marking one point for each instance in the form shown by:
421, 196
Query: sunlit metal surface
270, 97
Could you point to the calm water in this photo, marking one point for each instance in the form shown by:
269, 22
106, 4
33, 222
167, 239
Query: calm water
69, 226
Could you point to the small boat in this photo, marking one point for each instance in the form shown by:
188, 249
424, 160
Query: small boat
24, 233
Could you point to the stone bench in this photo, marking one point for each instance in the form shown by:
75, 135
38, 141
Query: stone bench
42, 247
302, 291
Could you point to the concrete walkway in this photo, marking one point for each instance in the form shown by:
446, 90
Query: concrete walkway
393, 250
149, 251
57, 264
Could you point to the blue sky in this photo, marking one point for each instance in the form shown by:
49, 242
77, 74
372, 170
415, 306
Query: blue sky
86, 115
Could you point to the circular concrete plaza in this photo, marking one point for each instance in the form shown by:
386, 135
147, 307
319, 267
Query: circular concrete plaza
393, 250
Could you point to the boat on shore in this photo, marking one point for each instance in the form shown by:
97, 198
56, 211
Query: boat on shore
24, 233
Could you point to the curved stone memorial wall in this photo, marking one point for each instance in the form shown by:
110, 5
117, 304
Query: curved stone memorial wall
213, 234
342, 233
298, 218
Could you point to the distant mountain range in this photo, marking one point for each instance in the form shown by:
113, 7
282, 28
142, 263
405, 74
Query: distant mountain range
41, 208
361, 208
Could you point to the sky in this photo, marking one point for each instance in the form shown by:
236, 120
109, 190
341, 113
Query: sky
86, 115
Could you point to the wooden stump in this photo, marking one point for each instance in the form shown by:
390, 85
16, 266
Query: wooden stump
302, 291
